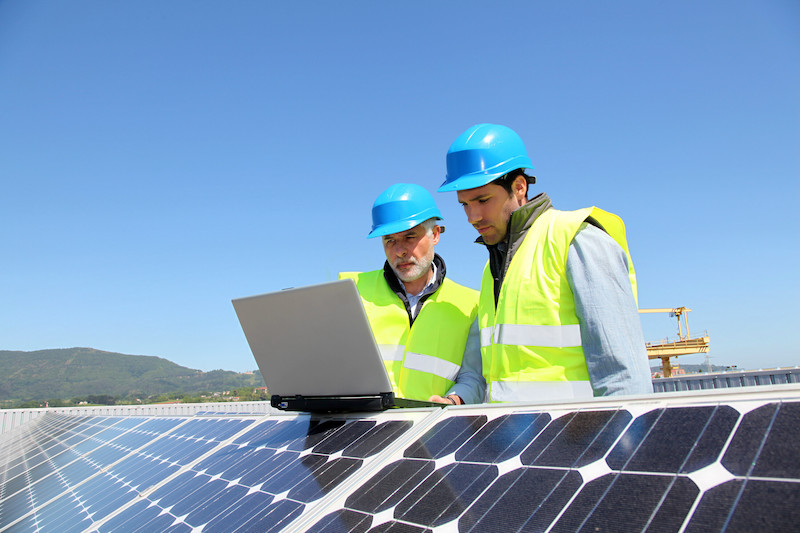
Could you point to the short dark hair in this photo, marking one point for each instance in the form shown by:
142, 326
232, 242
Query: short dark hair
507, 179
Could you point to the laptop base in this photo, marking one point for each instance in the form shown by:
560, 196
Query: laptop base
346, 404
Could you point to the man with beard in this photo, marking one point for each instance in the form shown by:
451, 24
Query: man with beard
421, 320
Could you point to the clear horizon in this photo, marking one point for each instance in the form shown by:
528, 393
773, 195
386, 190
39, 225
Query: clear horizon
160, 159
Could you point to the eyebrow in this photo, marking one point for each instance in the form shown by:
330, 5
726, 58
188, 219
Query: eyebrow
474, 198
411, 233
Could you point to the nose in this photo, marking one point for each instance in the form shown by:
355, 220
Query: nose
399, 250
473, 214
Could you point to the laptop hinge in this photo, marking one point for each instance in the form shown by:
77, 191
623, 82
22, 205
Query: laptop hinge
333, 404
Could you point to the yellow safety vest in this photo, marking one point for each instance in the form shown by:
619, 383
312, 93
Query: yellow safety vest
423, 359
531, 343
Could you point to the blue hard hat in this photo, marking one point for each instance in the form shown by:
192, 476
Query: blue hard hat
401, 207
482, 154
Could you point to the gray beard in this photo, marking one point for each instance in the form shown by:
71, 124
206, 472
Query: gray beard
421, 268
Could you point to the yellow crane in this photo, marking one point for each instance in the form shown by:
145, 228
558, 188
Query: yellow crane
684, 346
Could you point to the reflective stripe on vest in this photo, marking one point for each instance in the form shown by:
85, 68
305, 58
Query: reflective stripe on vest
517, 391
530, 335
432, 365
392, 352
421, 362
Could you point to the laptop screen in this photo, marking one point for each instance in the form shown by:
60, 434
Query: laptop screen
313, 341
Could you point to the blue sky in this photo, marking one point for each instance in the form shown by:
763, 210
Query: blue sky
161, 158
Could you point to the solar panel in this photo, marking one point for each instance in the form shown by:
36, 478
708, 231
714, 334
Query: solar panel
647, 465
264, 478
725, 461
159, 474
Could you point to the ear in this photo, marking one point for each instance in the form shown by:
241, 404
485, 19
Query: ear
519, 188
436, 234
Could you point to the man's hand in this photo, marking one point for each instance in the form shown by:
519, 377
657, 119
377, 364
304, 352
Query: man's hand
452, 399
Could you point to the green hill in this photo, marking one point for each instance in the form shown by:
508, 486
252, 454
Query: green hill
80, 372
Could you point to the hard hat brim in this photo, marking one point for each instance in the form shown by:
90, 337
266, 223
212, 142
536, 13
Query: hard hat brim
397, 227
469, 182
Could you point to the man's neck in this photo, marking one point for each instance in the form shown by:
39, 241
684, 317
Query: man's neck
524, 216
415, 287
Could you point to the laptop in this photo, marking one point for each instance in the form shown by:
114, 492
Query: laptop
315, 350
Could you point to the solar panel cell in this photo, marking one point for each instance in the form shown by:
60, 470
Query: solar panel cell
377, 438
169, 494
710, 444
390, 485
446, 437
523, 499
20, 481
316, 433
134, 516
180, 527
713, 510
670, 440
189, 495
219, 461
675, 507
626, 505
15, 507
577, 439
220, 500
344, 437
323, 479
255, 468
244, 510
274, 517
344, 520
445, 494
632, 439
780, 455
27, 525
66, 515
502, 438
239, 462
780, 498
741, 452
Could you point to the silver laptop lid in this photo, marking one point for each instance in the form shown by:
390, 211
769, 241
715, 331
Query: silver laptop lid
313, 341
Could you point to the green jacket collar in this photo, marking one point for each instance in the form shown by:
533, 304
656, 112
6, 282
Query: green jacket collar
521, 220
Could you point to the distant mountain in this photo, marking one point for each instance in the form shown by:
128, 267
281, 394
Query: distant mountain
79, 372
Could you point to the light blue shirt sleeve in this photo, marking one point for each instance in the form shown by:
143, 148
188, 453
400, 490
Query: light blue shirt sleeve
611, 331
470, 384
